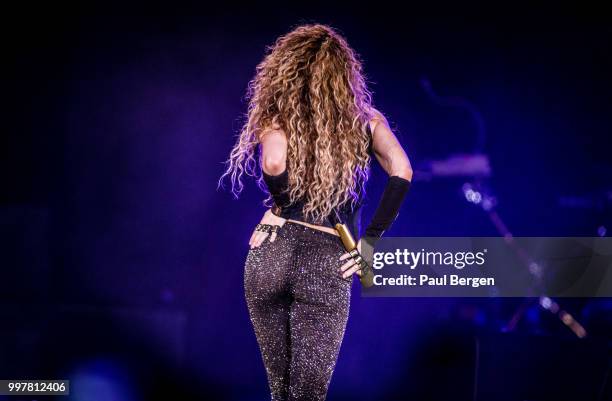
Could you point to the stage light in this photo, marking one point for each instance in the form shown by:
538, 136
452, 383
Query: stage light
471, 195
488, 203
545, 302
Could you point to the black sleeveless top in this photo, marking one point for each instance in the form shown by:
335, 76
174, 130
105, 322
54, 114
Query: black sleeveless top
345, 214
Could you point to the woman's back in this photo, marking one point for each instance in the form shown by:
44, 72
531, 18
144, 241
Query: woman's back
348, 213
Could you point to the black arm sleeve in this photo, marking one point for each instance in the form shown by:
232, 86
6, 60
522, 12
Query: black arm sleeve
388, 207
277, 185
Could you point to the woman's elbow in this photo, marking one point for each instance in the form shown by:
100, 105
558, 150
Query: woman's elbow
405, 173
274, 165
402, 168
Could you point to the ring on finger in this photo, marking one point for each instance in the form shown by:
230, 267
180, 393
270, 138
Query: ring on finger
263, 228
363, 265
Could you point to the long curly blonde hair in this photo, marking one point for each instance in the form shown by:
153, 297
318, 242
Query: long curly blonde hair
311, 85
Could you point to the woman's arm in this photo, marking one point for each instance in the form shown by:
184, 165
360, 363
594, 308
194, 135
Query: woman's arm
388, 150
395, 162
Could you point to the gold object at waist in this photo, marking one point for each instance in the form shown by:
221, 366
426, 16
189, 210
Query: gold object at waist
345, 235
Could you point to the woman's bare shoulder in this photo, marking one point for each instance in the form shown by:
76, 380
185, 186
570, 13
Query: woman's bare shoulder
378, 118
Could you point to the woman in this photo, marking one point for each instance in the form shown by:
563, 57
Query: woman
311, 117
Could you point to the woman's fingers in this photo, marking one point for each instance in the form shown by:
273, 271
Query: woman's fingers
350, 271
346, 265
261, 238
344, 256
252, 237
257, 238
258, 235
350, 267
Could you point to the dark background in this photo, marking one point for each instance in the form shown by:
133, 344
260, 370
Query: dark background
122, 262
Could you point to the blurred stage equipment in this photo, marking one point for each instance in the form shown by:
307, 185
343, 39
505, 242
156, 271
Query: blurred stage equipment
487, 202
458, 165
461, 103
476, 168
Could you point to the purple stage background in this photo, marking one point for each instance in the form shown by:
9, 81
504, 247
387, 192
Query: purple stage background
122, 265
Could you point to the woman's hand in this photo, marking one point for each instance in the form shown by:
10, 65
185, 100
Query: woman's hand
258, 237
350, 266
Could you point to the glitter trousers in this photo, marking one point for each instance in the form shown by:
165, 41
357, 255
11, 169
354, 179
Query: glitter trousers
298, 303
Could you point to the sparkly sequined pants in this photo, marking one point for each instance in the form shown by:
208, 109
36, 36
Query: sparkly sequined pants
298, 303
